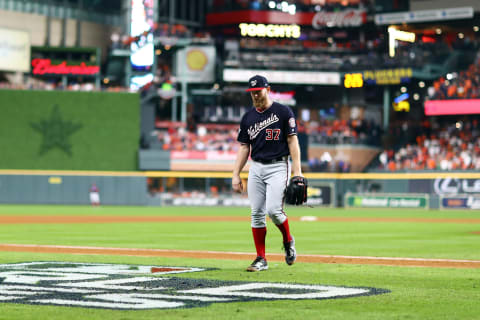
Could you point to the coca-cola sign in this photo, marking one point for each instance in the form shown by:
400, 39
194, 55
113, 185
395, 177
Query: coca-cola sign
347, 18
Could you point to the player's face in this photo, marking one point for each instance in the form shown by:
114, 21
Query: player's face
260, 98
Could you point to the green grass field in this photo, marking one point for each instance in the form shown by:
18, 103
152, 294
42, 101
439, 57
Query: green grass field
414, 292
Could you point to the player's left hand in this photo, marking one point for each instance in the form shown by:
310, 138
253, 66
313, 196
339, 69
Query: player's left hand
297, 190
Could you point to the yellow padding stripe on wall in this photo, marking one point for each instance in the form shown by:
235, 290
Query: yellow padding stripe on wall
223, 174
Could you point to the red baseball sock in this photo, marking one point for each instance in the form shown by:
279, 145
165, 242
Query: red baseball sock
259, 235
285, 229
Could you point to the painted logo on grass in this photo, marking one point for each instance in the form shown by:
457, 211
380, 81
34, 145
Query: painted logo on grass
133, 287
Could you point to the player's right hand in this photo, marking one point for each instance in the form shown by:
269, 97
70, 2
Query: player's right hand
237, 185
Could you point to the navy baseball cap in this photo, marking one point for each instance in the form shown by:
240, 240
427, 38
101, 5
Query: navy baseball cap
257, 83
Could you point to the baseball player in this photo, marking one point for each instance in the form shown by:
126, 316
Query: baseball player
268, 133
94, 195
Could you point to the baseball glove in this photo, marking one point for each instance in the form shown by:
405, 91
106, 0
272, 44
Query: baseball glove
296, 192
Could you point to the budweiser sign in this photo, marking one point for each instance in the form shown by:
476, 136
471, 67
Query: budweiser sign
347, 18
44, 66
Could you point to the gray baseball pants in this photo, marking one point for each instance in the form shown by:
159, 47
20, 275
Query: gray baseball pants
266, 187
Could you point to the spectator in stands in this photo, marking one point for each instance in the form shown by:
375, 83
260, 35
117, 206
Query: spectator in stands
454, 147
466, 85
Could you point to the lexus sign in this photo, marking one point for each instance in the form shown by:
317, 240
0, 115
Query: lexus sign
456, 186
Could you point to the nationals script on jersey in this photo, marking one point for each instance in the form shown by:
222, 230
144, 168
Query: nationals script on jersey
267, 131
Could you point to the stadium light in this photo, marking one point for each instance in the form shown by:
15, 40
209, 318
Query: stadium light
292, 9
394, 35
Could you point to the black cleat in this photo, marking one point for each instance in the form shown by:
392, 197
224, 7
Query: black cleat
258, 264
290, 252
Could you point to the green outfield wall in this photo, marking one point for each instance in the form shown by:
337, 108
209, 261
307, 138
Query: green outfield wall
401, 190
65, 130
57, 187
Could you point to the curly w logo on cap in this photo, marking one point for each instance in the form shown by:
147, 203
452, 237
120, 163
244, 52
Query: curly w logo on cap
257, 83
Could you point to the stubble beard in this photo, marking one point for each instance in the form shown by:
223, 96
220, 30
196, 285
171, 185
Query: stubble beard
260, 103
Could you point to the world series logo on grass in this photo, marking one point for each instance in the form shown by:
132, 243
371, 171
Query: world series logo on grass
135, 287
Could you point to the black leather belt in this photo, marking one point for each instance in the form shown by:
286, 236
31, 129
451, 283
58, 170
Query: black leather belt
279, 159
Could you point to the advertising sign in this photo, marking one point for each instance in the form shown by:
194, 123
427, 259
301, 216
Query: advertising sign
196, 64
353, 80
387, 76
317, 20
401, 103
46, 67
460, 202
455, 106
286, 76
140, 24
320, 194
445, 186
269, 30
373, 200
203, 155
345, 18
206, 201
14, 50
424, 15
456, 186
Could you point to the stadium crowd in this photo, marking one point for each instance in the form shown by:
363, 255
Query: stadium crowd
462, 85
300, 6
175, 136
438, 147
338, 131
327, 164
166, 33
222, 137
345, 54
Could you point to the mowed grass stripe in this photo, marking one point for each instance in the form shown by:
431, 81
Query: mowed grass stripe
47, 219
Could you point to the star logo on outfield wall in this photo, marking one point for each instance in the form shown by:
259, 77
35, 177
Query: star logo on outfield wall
56, 132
